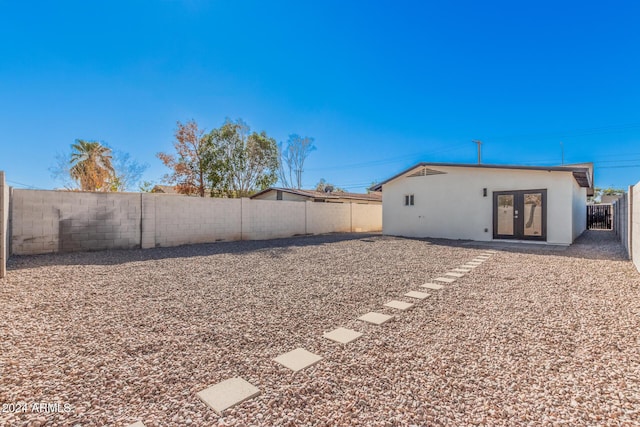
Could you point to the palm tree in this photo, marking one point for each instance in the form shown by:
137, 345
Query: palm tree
91, 165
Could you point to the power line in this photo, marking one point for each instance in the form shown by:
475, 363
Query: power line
387, 160
33, 187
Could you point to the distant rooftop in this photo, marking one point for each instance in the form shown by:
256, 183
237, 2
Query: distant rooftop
313, 194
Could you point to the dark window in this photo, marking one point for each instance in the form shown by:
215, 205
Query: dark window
278, 195
408, 200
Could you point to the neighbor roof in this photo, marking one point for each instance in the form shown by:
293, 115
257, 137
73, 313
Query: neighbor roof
323, 195
581, 174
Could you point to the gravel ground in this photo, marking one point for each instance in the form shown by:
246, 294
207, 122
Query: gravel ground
532, 337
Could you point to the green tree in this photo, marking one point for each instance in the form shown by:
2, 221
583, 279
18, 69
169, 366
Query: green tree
91, 165
189, 166
327, 187
239, 161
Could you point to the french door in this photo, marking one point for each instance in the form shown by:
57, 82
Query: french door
520, 215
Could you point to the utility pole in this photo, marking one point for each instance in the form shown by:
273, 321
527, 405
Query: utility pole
562, 151
477, 141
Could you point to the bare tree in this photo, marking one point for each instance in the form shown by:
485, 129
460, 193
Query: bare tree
292, 158
188, 166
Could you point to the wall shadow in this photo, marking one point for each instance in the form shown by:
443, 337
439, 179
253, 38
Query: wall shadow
277, 247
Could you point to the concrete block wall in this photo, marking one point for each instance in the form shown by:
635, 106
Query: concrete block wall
634, 233
181, 220
621, 219
366, 217
64, 221
269, 219
328, 217
5, 192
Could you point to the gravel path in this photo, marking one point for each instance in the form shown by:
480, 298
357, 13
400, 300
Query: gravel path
531, 337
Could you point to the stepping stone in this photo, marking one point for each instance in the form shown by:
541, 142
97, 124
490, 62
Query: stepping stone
298, 359
432, 286
375, 318
478, 260
227, 393
137, 424
454, 274
476, 263
342, 335
492, 251
445, 279
416, 294
462, 270
470, 265
399, 305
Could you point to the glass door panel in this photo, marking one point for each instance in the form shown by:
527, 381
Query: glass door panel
505, 214
532, 214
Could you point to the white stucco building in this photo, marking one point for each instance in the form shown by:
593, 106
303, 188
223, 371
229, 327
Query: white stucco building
487, 202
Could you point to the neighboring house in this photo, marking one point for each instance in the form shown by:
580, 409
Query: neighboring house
487, 202
296, 195
165, 189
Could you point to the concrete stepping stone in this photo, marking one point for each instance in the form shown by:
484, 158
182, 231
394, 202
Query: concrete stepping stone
137, 424
375, 318
228, 393
434, 286
476, 263
445, 279
454, 274
478, 260
399, 305
472, 266
416, 294
462, 270
342, 335
298, 359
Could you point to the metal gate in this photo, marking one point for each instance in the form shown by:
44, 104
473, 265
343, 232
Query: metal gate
599, 217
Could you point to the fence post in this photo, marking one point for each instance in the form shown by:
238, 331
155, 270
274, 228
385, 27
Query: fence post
4, 225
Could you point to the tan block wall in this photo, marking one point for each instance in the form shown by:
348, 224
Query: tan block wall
328, 217
63, 221
181, 220
366, 217
268, 219
4, 224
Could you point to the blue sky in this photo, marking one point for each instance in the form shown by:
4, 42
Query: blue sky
379, 85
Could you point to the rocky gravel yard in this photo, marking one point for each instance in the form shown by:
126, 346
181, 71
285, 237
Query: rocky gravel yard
533, 336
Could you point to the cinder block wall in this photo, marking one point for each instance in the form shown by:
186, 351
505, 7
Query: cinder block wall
366, 217
634, 238
621, 220
328, 217
269, 219
4, 224
179, 220
64, 221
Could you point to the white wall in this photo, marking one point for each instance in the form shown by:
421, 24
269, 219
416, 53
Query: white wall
366, 217
271, 219
579, 220
328, 217
452, 206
